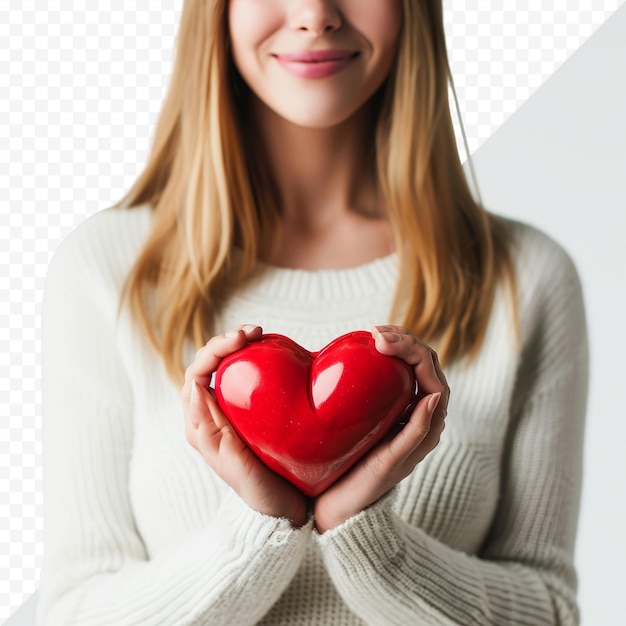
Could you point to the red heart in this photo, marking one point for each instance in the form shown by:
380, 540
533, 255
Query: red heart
311, 416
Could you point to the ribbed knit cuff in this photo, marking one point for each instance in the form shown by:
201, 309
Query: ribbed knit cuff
374, 523
249, 527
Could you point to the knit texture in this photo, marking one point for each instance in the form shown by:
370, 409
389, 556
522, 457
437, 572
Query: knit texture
139, 530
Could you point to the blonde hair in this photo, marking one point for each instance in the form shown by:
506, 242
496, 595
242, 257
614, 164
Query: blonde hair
207, 197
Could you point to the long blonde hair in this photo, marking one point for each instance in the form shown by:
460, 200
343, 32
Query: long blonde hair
207, 197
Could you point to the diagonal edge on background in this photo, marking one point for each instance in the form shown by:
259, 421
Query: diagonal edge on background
559, 162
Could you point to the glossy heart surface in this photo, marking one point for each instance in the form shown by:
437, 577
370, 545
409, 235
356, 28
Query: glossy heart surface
311, 416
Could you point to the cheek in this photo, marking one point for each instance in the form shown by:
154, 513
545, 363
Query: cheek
381, 22
251, 24
241, 28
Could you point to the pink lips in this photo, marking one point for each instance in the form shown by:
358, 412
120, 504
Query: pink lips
316, 63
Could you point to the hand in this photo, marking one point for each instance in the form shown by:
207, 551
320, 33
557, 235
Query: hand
394, 458
207, 429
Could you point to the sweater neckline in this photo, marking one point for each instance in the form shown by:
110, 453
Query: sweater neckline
285, 283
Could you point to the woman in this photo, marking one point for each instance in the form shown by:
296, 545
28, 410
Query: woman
304, 180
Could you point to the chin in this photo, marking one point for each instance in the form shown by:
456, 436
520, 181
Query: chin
316, 117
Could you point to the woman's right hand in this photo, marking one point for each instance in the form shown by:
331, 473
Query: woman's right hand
210, 433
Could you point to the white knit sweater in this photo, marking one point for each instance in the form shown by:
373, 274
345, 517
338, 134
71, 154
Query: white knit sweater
138, 530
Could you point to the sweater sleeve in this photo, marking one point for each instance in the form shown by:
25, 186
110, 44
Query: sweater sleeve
390, 572
96, 569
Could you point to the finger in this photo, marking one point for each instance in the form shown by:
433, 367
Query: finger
396, 459
442, 407
213, 430
417, 429
202, 406
217, 415
195, 405
430, 442
398, 341
208, 357
196, 412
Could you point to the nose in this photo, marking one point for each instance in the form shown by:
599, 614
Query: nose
316, 17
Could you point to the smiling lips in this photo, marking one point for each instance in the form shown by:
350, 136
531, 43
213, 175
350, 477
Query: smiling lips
316, 63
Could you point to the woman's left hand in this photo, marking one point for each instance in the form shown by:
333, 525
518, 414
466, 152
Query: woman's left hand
394, 458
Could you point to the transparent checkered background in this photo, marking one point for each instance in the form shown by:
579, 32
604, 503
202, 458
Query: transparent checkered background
80, 89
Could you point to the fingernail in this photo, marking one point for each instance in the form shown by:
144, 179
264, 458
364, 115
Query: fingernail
232, 333
390, 337
380, 329
248, 328
433, 401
